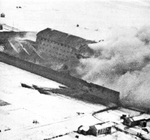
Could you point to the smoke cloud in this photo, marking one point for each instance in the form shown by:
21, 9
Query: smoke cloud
122, 62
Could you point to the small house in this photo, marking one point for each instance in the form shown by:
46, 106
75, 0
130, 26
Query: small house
2, 15
134, 121
99, 129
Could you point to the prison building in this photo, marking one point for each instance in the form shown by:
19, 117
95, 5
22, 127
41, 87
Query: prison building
58, 46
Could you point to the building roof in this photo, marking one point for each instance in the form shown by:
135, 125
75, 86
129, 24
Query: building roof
138, 118
102, 126
62, 37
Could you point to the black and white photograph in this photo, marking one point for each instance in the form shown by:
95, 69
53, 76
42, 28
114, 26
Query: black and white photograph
74, 69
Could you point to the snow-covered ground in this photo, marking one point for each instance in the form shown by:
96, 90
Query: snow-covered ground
53, 114
96, 18
27, 105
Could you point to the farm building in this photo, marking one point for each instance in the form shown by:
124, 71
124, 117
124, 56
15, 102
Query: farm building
99, 129
134, 121
2, 15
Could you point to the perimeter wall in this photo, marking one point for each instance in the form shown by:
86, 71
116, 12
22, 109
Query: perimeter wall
65, 79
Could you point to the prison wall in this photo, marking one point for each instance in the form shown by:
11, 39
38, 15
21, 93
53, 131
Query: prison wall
62, 78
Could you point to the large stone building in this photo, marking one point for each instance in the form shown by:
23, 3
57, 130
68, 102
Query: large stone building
60, 49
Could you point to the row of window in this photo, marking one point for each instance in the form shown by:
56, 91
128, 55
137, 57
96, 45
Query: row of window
57, 57
60, 55
53, 48
105, 130
40, 40
56, 53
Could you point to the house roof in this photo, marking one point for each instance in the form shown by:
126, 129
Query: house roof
62, 37
102, 126
138, 118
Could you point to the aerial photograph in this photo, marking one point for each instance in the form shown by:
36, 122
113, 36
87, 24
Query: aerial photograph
75, 69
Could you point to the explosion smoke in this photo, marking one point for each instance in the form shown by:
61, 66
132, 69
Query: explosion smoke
122, 63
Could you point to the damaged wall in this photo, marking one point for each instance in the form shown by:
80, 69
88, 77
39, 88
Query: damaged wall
65, 79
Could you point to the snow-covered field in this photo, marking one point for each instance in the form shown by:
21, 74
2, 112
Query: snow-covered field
53, 114
96, 18
27, 105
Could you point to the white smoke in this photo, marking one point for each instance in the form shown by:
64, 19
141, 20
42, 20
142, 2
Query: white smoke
122, 62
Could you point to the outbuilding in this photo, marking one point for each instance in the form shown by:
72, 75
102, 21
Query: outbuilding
2, 15
99, 129
134, 121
